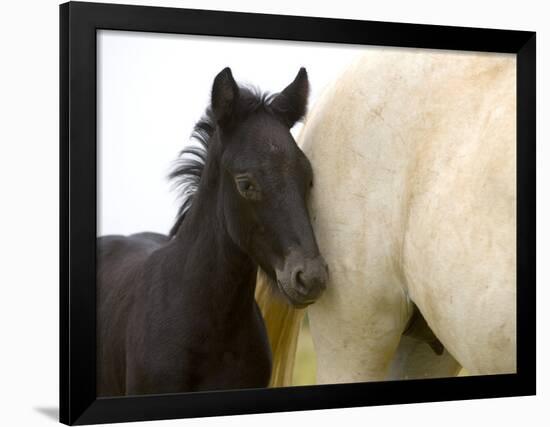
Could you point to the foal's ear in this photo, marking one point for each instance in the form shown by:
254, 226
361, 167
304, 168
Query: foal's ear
225, 93
291, 103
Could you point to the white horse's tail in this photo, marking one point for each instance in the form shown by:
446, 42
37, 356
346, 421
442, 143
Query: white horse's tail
283, 327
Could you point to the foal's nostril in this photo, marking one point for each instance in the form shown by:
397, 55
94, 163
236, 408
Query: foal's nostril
299, 281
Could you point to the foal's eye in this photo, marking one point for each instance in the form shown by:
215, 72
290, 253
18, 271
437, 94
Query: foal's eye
247, 188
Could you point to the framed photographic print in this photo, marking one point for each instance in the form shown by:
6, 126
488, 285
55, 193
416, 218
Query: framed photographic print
268, 213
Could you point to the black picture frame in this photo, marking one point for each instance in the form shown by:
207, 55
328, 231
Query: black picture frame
78, 25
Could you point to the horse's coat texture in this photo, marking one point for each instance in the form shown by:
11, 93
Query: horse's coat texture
414, 201
178, 313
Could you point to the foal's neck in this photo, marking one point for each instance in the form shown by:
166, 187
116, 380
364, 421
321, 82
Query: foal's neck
207, 254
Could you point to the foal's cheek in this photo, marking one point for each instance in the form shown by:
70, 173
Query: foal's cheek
254, 237
243, 228
260, 248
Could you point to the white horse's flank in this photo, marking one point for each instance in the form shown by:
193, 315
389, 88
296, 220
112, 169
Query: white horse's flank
414, 200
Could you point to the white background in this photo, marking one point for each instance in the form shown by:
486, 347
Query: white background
29, 211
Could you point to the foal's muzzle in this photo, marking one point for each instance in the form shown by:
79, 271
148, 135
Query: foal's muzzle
303, 280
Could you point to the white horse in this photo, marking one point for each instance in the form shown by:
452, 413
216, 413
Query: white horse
414, 203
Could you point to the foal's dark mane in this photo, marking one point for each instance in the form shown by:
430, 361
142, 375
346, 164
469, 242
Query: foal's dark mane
190, 163
188, 167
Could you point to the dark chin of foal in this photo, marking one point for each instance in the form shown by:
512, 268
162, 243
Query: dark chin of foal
292, 300
279, 289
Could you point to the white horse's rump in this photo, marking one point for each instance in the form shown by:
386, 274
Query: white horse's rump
414, 199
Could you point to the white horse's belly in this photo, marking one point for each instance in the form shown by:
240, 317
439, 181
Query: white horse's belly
414, 161
459, 243
459, 252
